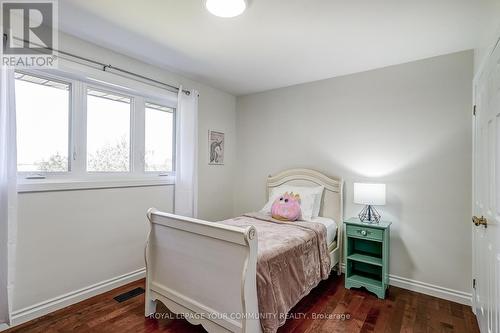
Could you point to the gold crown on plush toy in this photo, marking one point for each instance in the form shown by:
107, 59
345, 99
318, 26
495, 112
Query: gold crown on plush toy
294, 196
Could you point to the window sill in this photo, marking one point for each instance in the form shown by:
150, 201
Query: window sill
48, 185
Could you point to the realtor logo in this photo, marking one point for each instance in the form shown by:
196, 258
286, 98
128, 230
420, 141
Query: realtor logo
29, 33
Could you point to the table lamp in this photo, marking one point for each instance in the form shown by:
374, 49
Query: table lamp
369, 195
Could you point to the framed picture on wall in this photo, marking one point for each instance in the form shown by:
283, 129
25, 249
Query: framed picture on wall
215, 147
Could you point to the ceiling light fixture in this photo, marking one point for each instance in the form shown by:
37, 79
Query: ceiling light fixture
226, 8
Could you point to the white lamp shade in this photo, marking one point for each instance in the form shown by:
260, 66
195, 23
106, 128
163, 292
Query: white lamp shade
369, 194
226, 8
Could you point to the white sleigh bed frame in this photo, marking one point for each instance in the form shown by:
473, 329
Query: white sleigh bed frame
206, 271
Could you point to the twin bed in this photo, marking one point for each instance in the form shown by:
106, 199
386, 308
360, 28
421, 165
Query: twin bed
246, 273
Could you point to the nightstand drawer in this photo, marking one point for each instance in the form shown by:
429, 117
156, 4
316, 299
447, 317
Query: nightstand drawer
365, 232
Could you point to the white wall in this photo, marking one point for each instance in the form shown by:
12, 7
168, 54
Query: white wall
408, 126
490, 35
216, 182
73, 239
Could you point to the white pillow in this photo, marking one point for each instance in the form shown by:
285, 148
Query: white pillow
318, 192
310, 199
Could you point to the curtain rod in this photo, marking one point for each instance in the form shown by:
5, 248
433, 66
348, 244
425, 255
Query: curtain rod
106, 67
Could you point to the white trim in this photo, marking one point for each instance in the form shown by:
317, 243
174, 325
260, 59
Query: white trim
40, 309
67, 185
428, 289
431, 289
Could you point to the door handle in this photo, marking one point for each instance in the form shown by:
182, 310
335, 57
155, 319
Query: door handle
480, 221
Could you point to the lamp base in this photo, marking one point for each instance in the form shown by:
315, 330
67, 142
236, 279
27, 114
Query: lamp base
369, 215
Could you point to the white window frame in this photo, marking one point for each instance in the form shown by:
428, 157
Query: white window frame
26, 175
78, 177
132, 133
174, 138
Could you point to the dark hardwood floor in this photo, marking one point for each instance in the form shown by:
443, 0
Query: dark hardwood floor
348, 310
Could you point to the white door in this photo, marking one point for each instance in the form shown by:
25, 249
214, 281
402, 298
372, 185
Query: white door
486, 196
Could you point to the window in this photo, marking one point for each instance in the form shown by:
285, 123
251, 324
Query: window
108, 132
42, 111
159, 131
85, 132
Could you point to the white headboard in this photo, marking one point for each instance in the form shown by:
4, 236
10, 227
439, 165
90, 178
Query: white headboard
331, 205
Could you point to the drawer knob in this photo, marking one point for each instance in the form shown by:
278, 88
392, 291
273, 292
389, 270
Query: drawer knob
363, 232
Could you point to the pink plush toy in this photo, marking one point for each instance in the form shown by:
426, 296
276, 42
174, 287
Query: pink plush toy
286, 207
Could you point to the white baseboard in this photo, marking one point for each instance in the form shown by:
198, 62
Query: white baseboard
429, 289
51, 305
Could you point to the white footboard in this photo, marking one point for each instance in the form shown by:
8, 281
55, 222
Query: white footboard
204, 271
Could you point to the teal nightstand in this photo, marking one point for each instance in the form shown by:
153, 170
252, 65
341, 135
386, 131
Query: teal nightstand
366, 255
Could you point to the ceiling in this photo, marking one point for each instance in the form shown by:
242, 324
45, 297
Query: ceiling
278, 43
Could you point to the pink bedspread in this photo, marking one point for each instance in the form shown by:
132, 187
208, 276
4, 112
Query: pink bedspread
292, 259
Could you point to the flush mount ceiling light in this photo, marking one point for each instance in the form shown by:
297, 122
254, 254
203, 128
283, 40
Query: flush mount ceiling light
226, 8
